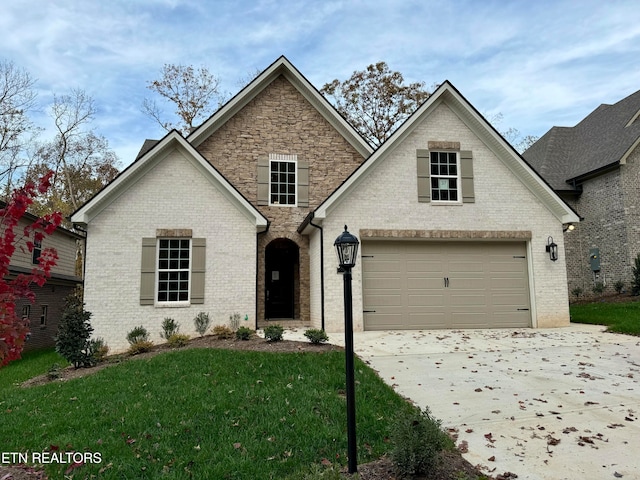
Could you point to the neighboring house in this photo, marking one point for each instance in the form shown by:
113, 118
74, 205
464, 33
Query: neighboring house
44, 315
241, 217
595, 168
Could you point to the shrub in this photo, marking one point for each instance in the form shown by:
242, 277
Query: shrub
222, 331
618, 286
577, 292
202, 322
598, 288
54, 372
244, 333
417, 441
74, 330
273, 333
635, 283
234, 321
178, 340
316, 336
140, 346
169, 327
98, 349
137, 335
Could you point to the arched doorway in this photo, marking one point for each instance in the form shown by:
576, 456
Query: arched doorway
282, 272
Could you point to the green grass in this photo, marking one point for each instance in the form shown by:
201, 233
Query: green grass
201, 413
619, 317
32, 364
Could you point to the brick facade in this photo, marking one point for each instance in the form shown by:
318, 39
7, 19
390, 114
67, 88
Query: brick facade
280, 120
504, 208
610, 207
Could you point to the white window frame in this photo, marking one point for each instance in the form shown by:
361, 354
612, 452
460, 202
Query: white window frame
280, 158
159, 270
438, 176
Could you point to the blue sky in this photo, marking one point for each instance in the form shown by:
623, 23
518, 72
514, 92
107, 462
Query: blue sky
537, 62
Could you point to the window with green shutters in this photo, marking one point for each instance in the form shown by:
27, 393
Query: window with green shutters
283, 180
172, 271
445, 176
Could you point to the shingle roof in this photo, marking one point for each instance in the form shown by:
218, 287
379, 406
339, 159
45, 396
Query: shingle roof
601, 139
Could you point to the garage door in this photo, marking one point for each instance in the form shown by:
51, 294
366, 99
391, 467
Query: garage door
429, 285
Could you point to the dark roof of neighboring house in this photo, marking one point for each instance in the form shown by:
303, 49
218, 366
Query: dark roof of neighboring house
601, 140
146, 146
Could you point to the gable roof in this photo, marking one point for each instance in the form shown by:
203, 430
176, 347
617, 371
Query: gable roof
602, 140
283, 67
448, 94
128, 177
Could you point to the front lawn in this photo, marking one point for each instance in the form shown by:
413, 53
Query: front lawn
200, 413
621, 317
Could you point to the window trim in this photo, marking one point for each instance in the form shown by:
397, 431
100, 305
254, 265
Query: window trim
457, 176
282, 158
172, 303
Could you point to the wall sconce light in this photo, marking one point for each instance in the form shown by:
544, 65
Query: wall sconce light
552, 249
570, 228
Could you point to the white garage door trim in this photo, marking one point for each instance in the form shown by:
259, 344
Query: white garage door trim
445, 284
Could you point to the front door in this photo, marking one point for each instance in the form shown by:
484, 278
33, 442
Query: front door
282, 259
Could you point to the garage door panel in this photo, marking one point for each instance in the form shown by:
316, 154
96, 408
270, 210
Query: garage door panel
414, 284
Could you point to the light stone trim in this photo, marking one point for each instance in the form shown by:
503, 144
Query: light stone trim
440, 145
174, 232
448, 234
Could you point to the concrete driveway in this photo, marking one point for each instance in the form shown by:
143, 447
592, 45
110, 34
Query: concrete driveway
543, 404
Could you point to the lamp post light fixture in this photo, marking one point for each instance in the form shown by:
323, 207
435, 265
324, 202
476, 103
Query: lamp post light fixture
347, 249
552, 249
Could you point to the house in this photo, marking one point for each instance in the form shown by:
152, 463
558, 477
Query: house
45, 313
241, 216
595, 167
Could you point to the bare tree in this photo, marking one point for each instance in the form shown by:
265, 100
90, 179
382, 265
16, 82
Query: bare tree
17, 98
375, 100
512, 135
80, 159
190, 90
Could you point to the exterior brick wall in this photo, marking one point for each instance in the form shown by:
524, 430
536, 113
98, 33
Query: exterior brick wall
386, 199
610, 206
173, 194
280, 120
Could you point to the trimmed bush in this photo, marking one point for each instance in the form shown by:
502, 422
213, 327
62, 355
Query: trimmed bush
635, 283
273, 333
140, 347
169, 327
576, 292
98, 349
316, 336
618, 286
178, 340
417, 441
244, 333
202, 322
222, 331
598, 288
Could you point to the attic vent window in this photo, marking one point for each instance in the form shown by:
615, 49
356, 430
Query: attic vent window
282, 179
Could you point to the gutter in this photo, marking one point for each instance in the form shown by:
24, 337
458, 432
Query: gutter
309, 221
258, 269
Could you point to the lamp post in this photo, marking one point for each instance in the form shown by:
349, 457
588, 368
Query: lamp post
347, 250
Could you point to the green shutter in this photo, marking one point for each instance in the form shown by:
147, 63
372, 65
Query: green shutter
424, 173
263, 181
303, 184
198, 257
148, 272
466, 170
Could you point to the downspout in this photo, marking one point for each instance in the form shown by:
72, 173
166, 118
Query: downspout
84, 252
321, 271
258, 269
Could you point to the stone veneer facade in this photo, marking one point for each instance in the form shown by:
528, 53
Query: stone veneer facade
279, 120
610, 207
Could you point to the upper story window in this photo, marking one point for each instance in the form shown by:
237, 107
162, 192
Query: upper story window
174, 268
37, 251
445, 178
282, 179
